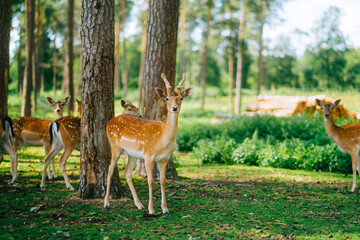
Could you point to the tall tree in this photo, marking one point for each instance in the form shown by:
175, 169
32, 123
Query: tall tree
97, 59
30, 23
182, 37
5, 19
117, 48
239, 68
70, 56
261, 19
125, 68
142, 61
203, 54
162, 29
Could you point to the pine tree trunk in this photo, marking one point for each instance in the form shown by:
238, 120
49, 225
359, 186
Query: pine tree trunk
117, 50
97, 37
182, 40
125, 70
5, 19
239, 68
260, 41
231, 79
141, 71
162, 28
20, 69
203, 60
30, 23
70, 56
54, 69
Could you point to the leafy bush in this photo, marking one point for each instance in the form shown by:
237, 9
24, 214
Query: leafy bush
218, 151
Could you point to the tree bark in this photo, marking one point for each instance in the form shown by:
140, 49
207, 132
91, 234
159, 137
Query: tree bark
5, 19
231, 79
54, 68
125, 70
37, 55
30, 22
69, 78
239, 68
143, 49
20, 69
182, 40
260, 59
97, 36
117, 50
203, 60
162, 28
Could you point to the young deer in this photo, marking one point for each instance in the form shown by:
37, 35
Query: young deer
65, 134
6, 132
347, 137
78, 107
35, 132
153, 141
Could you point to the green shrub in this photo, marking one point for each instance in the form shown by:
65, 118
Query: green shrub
218, 151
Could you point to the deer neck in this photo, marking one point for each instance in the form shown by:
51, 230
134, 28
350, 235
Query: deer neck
331, 129
171, 124
59, 115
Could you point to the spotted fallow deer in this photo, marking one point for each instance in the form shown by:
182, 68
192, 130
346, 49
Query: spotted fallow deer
7, 132
347, 137
35, 132
65, 134
153, 141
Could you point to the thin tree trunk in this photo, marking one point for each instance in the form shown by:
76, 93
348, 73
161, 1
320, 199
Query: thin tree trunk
125, 70
231, 79
37, 54
20, 69
5, 19
143, 49
34, 106
69, 78
117, 50
54, 69
182, 40
239, 69
260, 59
30, 22
97, 98
162, 29
203, 60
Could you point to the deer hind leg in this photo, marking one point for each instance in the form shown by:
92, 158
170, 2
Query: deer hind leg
50, 156
115, 154
128, 174
124, 163
163, 165
354, 158
13, 161
149, 173
64, 157
53, 176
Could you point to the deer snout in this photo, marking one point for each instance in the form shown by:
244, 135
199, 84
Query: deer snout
175, 109
327, 114
58, 110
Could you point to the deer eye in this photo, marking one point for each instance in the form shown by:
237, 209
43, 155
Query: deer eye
181, 98
129, 109
167, 99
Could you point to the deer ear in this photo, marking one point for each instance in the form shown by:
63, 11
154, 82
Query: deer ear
337, 103
160, 92
50, 100
77, 100
187, 92
318, 102
123, 103
67, 100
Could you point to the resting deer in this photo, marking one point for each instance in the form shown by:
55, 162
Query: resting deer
65, 134
153, 141
35, 132
6, 132
347, 137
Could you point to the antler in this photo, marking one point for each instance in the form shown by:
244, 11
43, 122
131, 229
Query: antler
180, 86
167, 84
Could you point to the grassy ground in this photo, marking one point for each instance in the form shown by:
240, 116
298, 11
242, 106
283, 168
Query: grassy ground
211, 202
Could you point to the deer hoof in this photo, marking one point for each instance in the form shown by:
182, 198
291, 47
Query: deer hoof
166, 213
107, 208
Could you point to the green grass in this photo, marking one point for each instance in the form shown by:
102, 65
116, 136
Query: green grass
209, 201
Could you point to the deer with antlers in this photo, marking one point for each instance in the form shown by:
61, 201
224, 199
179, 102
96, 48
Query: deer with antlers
153, 141
65, 134
7, 132
35, 132
347, 137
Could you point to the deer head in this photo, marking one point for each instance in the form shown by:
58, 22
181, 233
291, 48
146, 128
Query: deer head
327, 108
129, 108
59, 105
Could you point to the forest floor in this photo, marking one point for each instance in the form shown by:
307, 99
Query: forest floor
207, 202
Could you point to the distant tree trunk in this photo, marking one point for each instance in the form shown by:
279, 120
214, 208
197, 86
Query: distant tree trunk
160, 58
37, 55
203, 60
20, 70
30, 22
97, 36
69, 78
54, 69
117, 50
5, 19
182, 40
239, 69
34, 106
125, 70
231, 79
143, 49
260, 59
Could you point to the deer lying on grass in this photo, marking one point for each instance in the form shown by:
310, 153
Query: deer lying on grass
153, 141
6, 132
35, 132
65, 134
347, 137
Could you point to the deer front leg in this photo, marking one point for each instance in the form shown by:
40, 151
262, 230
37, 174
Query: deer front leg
47, 150
128, 174
163, 165
149, 173
115, 154
354, 158
64, 157
13, 161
